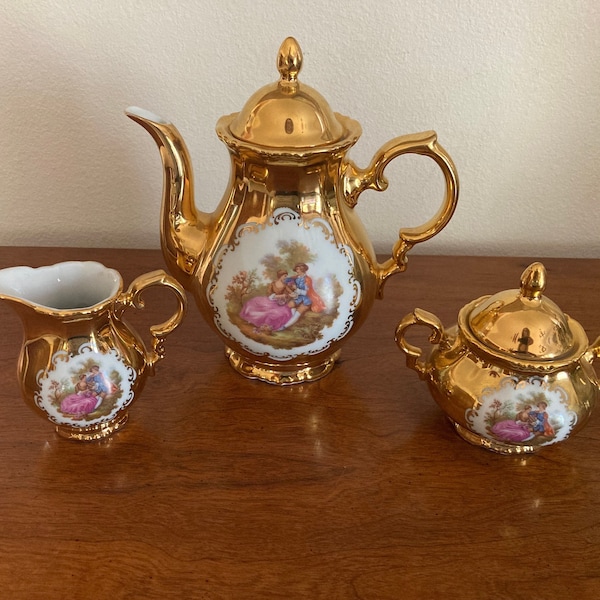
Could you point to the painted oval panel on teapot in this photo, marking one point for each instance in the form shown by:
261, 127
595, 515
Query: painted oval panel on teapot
284, 288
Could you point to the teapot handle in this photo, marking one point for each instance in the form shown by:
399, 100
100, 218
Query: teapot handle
414, 353
358, 180
132, 298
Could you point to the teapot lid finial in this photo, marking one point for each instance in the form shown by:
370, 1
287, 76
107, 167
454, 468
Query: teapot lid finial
533, 281
289, 61
288, 117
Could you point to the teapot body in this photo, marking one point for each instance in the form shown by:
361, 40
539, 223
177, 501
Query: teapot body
291, 272
81, 365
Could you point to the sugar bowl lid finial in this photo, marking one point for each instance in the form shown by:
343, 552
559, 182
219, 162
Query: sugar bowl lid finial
533, 281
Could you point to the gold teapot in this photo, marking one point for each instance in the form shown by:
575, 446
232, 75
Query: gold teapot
283, 269
514, 374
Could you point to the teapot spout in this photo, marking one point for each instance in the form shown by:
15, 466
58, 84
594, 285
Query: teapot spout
183, 229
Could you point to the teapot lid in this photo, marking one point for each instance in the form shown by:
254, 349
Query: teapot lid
523, 326
288, 114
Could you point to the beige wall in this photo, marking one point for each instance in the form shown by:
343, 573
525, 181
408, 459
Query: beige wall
512, 88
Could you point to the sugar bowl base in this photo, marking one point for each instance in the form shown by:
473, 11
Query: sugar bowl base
493, 445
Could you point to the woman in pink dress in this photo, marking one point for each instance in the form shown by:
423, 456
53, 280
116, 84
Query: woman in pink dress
271, 312
517, 430
82, 402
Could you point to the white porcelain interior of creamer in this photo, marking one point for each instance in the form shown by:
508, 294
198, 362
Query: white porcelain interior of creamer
64, 286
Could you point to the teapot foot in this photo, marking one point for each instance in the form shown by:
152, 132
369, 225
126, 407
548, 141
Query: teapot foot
93, 432
280, 374
492, 445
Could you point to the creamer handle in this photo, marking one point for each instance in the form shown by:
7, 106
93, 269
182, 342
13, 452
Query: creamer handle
356, 181
413, 353
132, 298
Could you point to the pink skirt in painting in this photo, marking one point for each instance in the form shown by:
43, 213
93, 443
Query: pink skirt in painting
78, 404
263, 312
511, 431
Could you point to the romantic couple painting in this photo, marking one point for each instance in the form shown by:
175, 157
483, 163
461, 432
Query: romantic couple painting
83, 393
288, 298
287, 308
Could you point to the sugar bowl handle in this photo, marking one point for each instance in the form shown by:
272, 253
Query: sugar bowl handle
358, 180
414, 353
132, 298
593, 351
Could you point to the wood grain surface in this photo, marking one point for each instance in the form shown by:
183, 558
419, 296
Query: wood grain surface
354, 486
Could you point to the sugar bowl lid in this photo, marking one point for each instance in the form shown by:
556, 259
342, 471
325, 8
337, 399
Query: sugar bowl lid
288, 114
523, 327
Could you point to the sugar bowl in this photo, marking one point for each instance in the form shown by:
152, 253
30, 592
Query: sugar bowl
514, 374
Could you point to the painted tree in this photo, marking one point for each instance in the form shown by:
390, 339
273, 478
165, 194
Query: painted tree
241, 284
295, 252
272, 263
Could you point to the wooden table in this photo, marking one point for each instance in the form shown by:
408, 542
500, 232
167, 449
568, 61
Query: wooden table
351, 487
